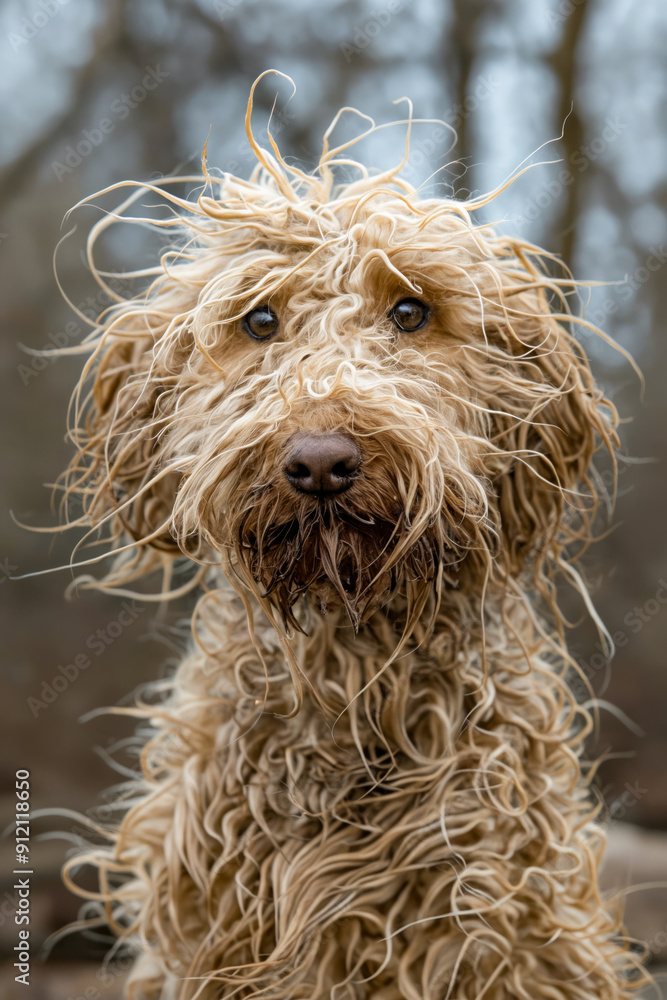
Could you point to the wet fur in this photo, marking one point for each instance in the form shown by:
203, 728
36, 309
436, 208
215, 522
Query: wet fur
365, 778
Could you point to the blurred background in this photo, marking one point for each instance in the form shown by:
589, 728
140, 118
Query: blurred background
97, 91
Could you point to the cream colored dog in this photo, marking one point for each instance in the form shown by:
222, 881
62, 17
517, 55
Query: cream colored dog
364, 422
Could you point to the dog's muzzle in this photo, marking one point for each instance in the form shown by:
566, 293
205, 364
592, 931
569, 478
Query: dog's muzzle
322, 464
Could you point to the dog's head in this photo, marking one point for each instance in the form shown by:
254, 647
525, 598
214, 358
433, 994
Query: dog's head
352, 393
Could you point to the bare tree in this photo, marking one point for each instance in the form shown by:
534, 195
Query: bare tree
565, 63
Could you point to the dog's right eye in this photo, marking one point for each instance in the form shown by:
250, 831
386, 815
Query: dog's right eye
260, 323
409, 315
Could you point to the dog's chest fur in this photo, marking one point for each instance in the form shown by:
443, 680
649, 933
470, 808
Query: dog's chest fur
422, 797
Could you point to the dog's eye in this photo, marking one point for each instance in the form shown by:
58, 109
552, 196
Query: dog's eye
409, 315
261, 323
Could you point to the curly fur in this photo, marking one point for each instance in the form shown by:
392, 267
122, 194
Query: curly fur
365, 778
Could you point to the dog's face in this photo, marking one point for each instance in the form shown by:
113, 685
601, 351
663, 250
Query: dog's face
354, 398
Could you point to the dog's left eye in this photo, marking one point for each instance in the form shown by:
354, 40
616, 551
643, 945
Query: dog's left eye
261, 323
409, 315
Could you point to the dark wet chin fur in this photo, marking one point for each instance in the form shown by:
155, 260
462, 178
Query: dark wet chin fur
338, 558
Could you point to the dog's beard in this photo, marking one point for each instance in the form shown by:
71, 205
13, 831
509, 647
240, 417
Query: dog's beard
339, 555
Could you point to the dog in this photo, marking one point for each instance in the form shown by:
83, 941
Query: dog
361, 425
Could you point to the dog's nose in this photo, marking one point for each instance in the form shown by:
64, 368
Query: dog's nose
322, 463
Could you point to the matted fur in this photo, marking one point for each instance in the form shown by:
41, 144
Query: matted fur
365, 779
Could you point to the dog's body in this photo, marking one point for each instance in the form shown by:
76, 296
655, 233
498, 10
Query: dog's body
364, 780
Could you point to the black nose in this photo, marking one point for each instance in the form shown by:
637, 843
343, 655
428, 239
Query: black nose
322, 463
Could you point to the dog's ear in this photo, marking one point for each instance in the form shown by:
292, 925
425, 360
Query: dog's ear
117, 471
550, 420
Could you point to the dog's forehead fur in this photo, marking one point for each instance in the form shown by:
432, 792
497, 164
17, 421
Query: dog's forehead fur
347, 245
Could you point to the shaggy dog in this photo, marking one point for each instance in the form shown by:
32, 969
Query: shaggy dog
364, 422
